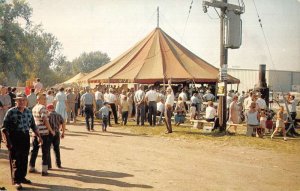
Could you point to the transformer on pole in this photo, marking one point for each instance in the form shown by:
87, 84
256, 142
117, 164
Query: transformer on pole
230, 37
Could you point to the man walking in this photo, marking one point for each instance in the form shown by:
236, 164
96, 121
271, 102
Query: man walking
17, 123
88, 105
71, 99
57, 123
39, 112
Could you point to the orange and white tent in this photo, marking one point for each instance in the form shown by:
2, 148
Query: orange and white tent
156, 58
75, 79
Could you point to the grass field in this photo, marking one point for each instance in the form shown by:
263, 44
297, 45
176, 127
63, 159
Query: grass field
185, 132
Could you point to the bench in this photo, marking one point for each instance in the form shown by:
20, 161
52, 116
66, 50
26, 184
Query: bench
198, 124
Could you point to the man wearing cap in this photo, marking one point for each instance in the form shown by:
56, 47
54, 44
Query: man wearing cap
17, 122
39, 113
88, 104
57, 123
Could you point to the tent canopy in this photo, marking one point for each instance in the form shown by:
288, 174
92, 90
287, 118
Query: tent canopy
75, 78
156, 58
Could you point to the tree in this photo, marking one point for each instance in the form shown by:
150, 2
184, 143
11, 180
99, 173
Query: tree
27, 52
88, 62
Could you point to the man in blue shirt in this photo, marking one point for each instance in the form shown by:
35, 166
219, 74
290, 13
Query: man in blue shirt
17, 122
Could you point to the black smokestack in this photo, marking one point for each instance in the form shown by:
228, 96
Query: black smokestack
262, 83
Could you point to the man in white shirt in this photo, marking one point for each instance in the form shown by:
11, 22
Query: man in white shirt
112, 101
99, 101
169, 108
261, 102
211, 115
292, 109
38, 86
139, 100
247, 102
183, 96
151, 98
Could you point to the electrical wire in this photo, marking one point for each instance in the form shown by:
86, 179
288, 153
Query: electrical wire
265, 38
187, 20
217, 12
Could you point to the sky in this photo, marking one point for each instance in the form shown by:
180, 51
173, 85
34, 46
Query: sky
114, 26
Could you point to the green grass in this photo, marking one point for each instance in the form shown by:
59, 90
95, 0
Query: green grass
187, 133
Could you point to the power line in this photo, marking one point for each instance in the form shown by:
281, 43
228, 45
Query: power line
262, 29
187, 20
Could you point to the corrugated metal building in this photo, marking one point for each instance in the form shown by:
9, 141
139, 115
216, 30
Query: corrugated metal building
277, 80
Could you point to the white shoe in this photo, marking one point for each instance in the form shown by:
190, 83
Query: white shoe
284, 138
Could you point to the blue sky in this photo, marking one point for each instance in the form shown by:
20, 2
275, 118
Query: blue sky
113, 26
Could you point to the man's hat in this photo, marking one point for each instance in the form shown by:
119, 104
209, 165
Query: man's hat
20, 96
50, 106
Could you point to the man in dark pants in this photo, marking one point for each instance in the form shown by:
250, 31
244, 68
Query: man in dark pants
39, 113
57, 123
139, 100
17, 122
151, 98
112, 101
88, 104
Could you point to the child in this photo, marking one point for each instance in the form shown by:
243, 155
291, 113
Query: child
104, 110
252, 120
280, 123
261, 130
124, 109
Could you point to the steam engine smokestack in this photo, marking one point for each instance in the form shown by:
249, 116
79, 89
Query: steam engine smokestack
262, 76
262, 83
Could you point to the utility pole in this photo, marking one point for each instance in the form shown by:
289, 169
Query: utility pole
230, 37
223, 66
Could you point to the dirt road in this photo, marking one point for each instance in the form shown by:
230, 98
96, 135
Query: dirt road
119, 160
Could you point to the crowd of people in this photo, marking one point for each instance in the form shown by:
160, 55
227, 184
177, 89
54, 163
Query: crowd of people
47, 111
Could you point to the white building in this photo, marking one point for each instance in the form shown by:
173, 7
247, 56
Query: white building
277, 80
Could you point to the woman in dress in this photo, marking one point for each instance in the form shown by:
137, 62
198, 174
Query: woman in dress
234, 113
280, 123
60, 102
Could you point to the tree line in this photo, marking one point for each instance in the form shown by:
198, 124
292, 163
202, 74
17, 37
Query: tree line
27, 51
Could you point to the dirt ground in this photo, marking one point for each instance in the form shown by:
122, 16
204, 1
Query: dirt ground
120, 160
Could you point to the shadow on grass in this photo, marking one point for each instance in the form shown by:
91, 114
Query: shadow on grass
98, 177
